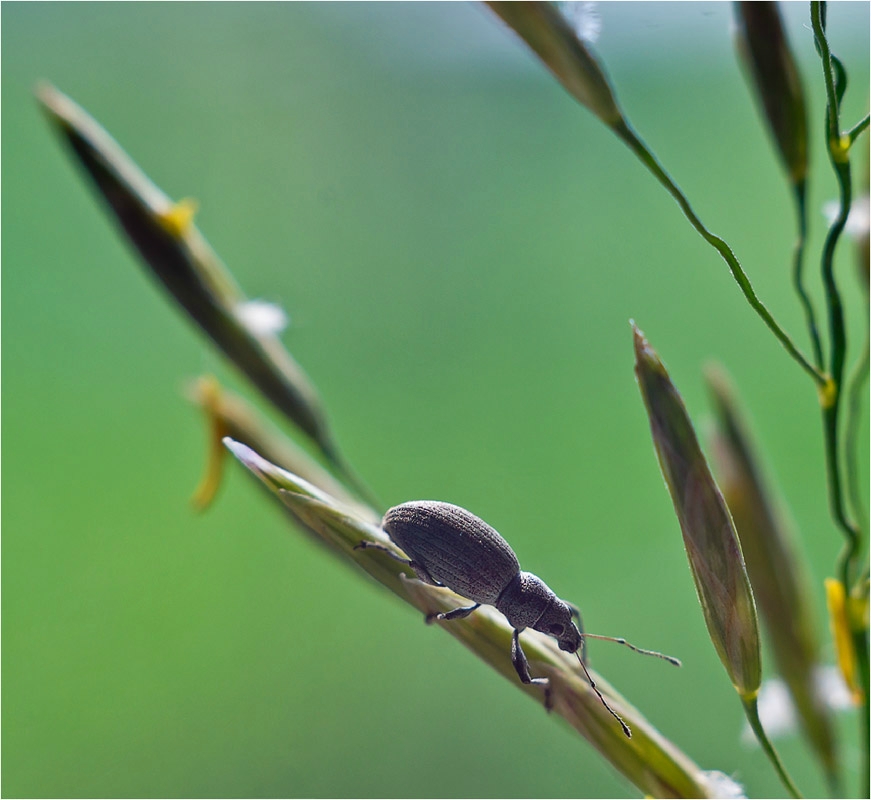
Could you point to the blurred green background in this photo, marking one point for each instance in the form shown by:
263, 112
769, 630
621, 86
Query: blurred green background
460, 247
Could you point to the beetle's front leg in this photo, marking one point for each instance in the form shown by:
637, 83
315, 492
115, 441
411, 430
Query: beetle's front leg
518, 658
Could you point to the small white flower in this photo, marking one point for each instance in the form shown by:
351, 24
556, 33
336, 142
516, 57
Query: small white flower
777, 711
262, 318
584, 19
830, 684
858, 220
722, 786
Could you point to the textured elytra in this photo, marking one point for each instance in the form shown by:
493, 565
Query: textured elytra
457, 548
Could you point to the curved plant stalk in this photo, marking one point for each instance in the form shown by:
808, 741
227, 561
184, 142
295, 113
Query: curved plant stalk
798, 253
857, 383
856, 391
838, 150
647, 158
650, 761
852, 577
575, 65
856, 397
850, 572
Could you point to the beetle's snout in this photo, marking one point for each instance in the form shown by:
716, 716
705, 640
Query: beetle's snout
557, 622
570, 641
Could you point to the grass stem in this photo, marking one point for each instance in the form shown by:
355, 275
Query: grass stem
798, 273
858, 128
751, 709
632, 140
831, 400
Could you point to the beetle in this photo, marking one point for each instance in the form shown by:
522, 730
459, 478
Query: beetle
451, 547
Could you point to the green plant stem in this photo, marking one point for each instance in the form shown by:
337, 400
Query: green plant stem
625, 132
751, 709
855, 396
860, 644
800, 192
857, 129
831, 399
838, 148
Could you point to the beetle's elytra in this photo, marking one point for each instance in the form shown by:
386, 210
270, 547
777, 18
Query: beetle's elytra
449, 546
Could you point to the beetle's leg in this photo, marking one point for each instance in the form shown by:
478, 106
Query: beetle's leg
420, 571
518, 658
457, 613
367, 545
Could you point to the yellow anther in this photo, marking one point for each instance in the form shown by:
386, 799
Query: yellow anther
836, 600
210, 398
840, 148
178, 219
828, 393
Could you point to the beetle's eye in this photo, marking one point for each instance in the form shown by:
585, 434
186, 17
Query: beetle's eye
556, 630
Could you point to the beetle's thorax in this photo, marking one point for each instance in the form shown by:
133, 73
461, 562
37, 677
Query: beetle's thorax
524, 600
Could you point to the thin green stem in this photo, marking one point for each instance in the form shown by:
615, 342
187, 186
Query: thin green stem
857, 129
800, 191
751, 709
848, 559
855, 398
831, 399
822, 44
860, 644
625, 132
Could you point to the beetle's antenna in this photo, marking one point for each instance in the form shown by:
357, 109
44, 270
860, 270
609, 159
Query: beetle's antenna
620, 640
626, 729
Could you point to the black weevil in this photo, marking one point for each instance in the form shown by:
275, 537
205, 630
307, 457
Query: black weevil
449, 546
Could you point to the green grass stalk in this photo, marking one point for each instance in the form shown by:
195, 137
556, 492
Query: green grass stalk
751, 709
634, 142
800, 193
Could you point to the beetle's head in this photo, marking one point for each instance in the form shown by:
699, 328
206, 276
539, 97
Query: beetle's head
557, 622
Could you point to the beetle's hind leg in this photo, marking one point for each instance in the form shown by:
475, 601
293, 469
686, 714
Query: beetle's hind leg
518, 658
419, 570
457, 613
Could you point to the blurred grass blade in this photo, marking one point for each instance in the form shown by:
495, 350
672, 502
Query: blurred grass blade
764, 49
177, 254
712, 546
552, 38
776, 572
651, 762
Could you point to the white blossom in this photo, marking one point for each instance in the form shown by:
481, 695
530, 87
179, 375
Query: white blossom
777, 711
723, 787
261, 317
858, 220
